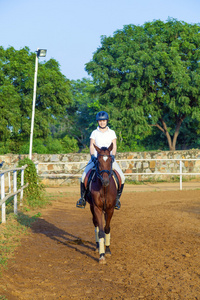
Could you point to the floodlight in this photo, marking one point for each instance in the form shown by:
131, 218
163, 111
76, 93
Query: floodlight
41, 52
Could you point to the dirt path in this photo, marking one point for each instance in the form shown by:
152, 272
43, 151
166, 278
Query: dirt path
155, 244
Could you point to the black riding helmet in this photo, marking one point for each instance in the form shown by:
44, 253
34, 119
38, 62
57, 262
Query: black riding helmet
102, 115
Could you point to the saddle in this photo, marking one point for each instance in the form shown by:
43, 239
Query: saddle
91, 174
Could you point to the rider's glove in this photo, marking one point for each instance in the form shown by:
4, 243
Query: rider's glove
93, 158
113, 158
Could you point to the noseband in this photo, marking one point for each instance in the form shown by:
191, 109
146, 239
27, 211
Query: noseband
99, 173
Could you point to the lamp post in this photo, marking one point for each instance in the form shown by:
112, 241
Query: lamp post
39, 53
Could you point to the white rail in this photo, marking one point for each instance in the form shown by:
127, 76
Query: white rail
10, 194
180, 173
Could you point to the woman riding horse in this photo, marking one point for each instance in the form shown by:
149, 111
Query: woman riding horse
102, 199
103, 136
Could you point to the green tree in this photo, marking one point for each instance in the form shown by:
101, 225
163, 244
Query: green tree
149, 76
80, 119
9, 107
16, 94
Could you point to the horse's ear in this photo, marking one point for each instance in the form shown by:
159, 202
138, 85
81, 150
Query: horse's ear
98, 149
110, 147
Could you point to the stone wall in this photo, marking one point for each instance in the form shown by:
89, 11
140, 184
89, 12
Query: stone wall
55, 169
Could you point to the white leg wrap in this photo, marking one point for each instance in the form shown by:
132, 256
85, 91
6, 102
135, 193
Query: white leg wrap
101, 246
107, 239
96, 234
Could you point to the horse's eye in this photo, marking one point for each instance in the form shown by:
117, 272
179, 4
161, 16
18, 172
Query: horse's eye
105, 157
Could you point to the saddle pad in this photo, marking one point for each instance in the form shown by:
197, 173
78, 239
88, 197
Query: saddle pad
117, 179
88, 177
89, 174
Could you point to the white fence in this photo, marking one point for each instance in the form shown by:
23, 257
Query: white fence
12, 185
13, 191
180, 173
62, 175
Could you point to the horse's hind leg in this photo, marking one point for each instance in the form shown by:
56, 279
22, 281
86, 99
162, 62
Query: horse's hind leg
97, 238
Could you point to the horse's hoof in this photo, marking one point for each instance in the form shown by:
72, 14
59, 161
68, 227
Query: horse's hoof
107, 251
102, 260
108, 254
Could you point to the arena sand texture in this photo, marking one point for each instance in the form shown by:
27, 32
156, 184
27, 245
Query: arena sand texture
155, 244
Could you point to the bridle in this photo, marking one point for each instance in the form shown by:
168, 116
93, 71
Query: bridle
99, 173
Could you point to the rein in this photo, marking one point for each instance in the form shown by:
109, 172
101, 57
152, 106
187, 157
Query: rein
72, 176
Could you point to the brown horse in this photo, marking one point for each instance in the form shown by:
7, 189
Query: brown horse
102, 199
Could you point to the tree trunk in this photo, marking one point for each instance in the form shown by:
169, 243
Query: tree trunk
178, 125
169, 139
172, 144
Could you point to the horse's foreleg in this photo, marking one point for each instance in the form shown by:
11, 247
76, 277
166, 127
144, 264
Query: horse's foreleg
108, 217
101, 242
107, 236
107, 244
101, 234
101, 250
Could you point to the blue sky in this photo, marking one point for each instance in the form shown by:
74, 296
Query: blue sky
71, 30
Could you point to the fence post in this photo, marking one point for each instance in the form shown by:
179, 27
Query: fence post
14, 190
22, 183
36, 166
180, 175
3, 206
9, 183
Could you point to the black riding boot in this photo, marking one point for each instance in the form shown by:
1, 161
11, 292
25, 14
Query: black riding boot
119, 192
81, 202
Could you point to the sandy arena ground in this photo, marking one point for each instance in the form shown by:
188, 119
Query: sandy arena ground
155, 244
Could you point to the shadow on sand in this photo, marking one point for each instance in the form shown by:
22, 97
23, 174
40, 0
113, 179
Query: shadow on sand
60, 236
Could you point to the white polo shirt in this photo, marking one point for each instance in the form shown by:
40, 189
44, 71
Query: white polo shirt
103, 139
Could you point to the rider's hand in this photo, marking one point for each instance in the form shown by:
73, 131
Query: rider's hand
93, 158
113, 158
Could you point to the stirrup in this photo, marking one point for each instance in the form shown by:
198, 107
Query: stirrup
118, 205
81, 203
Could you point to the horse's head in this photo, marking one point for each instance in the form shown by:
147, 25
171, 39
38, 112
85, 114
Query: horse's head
104, 165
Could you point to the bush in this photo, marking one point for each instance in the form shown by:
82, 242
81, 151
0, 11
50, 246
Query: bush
41, 146
53, 146
70, 144
4, 149
38, 147
34, 195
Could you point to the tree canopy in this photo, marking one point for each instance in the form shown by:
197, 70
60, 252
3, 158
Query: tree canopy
149, 76
81, 113
16, 94
79, 119
146, 77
